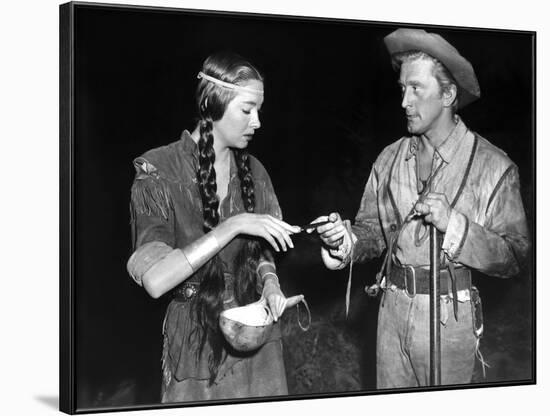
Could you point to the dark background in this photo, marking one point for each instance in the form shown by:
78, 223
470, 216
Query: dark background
331, 105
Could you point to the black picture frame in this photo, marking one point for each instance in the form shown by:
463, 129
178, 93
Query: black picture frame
93, 156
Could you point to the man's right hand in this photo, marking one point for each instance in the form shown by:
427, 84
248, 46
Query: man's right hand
333, 233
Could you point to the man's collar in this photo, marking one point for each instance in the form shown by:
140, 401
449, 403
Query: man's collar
446, 149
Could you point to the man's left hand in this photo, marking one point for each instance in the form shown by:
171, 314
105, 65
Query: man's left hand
436, 210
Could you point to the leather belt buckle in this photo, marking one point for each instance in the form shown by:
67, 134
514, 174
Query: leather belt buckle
406, 281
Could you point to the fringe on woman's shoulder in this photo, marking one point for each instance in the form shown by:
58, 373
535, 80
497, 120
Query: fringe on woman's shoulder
150, 194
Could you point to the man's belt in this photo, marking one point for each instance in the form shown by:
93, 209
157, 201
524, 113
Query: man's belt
416, 280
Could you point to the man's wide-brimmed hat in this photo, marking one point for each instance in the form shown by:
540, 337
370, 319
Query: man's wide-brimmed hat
403, 40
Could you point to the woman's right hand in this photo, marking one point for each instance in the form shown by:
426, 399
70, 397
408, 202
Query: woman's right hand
275, 231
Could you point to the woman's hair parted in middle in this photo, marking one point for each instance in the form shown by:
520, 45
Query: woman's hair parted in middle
212, 101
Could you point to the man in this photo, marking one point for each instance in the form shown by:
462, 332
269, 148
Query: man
441, 174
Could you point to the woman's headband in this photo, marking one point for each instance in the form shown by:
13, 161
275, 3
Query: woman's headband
229, 85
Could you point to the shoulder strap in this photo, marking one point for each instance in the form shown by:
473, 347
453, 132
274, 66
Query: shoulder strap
467, 171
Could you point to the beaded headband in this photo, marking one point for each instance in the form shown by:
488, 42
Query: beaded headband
229, 85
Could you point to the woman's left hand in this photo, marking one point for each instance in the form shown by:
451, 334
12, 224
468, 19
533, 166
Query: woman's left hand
275, 299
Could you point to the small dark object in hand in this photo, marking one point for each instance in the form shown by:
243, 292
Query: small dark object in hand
314, 225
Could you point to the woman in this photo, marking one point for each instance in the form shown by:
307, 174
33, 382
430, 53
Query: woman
203, 216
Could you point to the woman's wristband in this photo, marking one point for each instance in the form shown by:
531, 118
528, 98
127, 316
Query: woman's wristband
265, 268
266, 272
201, 250
271, 277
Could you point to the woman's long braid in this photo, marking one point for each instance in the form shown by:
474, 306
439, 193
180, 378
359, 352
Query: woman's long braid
247, 258
207, 175
209, 302
245, 177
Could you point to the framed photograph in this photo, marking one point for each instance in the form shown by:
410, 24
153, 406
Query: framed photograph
198, 146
